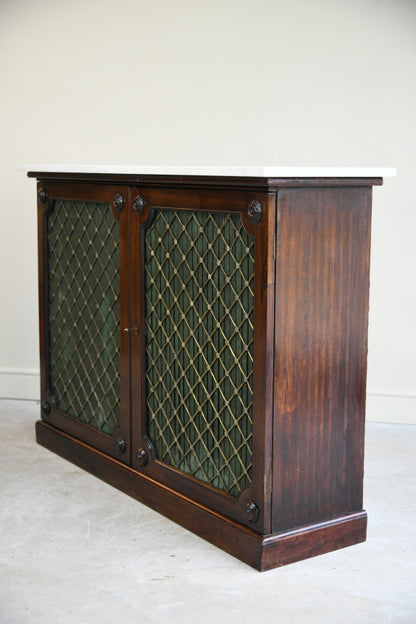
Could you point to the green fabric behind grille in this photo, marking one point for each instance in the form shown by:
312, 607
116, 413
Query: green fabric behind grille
84, 334
199, 279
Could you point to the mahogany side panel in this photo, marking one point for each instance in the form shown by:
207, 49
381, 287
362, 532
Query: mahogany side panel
323, 246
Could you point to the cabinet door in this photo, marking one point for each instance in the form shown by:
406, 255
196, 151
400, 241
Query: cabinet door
83, 264
203, 293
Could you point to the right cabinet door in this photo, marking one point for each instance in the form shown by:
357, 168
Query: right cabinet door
202, 287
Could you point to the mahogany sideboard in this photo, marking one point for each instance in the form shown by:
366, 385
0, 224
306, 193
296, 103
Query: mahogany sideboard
203, 346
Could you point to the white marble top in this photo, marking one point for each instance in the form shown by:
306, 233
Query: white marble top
260, 172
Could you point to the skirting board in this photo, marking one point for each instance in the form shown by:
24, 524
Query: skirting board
382, 407
19, 383
391, 408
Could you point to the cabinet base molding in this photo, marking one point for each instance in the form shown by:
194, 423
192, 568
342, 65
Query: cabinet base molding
262, 552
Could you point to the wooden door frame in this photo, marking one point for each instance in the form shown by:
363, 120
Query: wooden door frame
118, 443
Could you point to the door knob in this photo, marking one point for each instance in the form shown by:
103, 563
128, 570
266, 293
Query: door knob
134, 330
121, 445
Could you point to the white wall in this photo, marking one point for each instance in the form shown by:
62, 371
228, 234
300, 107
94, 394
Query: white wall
220, 82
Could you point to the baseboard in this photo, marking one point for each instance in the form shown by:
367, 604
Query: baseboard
19, 383
382, 407
391, 408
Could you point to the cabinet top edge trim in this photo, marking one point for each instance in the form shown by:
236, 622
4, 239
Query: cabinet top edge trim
247, 182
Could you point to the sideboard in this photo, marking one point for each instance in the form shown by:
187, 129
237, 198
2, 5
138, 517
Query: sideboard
203, 345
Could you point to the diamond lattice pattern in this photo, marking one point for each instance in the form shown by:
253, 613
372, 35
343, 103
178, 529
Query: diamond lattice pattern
84, 334
199, 279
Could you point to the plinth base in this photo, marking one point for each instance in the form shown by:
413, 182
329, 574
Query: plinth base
263, 552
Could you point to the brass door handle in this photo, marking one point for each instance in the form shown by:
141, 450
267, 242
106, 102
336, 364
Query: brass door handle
134, 330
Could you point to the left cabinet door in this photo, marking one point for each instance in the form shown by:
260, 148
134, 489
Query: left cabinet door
84, 312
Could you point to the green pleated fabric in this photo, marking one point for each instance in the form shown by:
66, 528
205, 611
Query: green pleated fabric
199, 304
84, 329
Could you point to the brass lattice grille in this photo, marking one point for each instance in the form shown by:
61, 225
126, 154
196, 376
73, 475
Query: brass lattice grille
84, 335
199, 280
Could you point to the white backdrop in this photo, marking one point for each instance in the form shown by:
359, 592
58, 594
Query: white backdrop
215, 82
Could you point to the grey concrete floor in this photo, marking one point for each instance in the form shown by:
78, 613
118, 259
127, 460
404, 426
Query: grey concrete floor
73, 550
